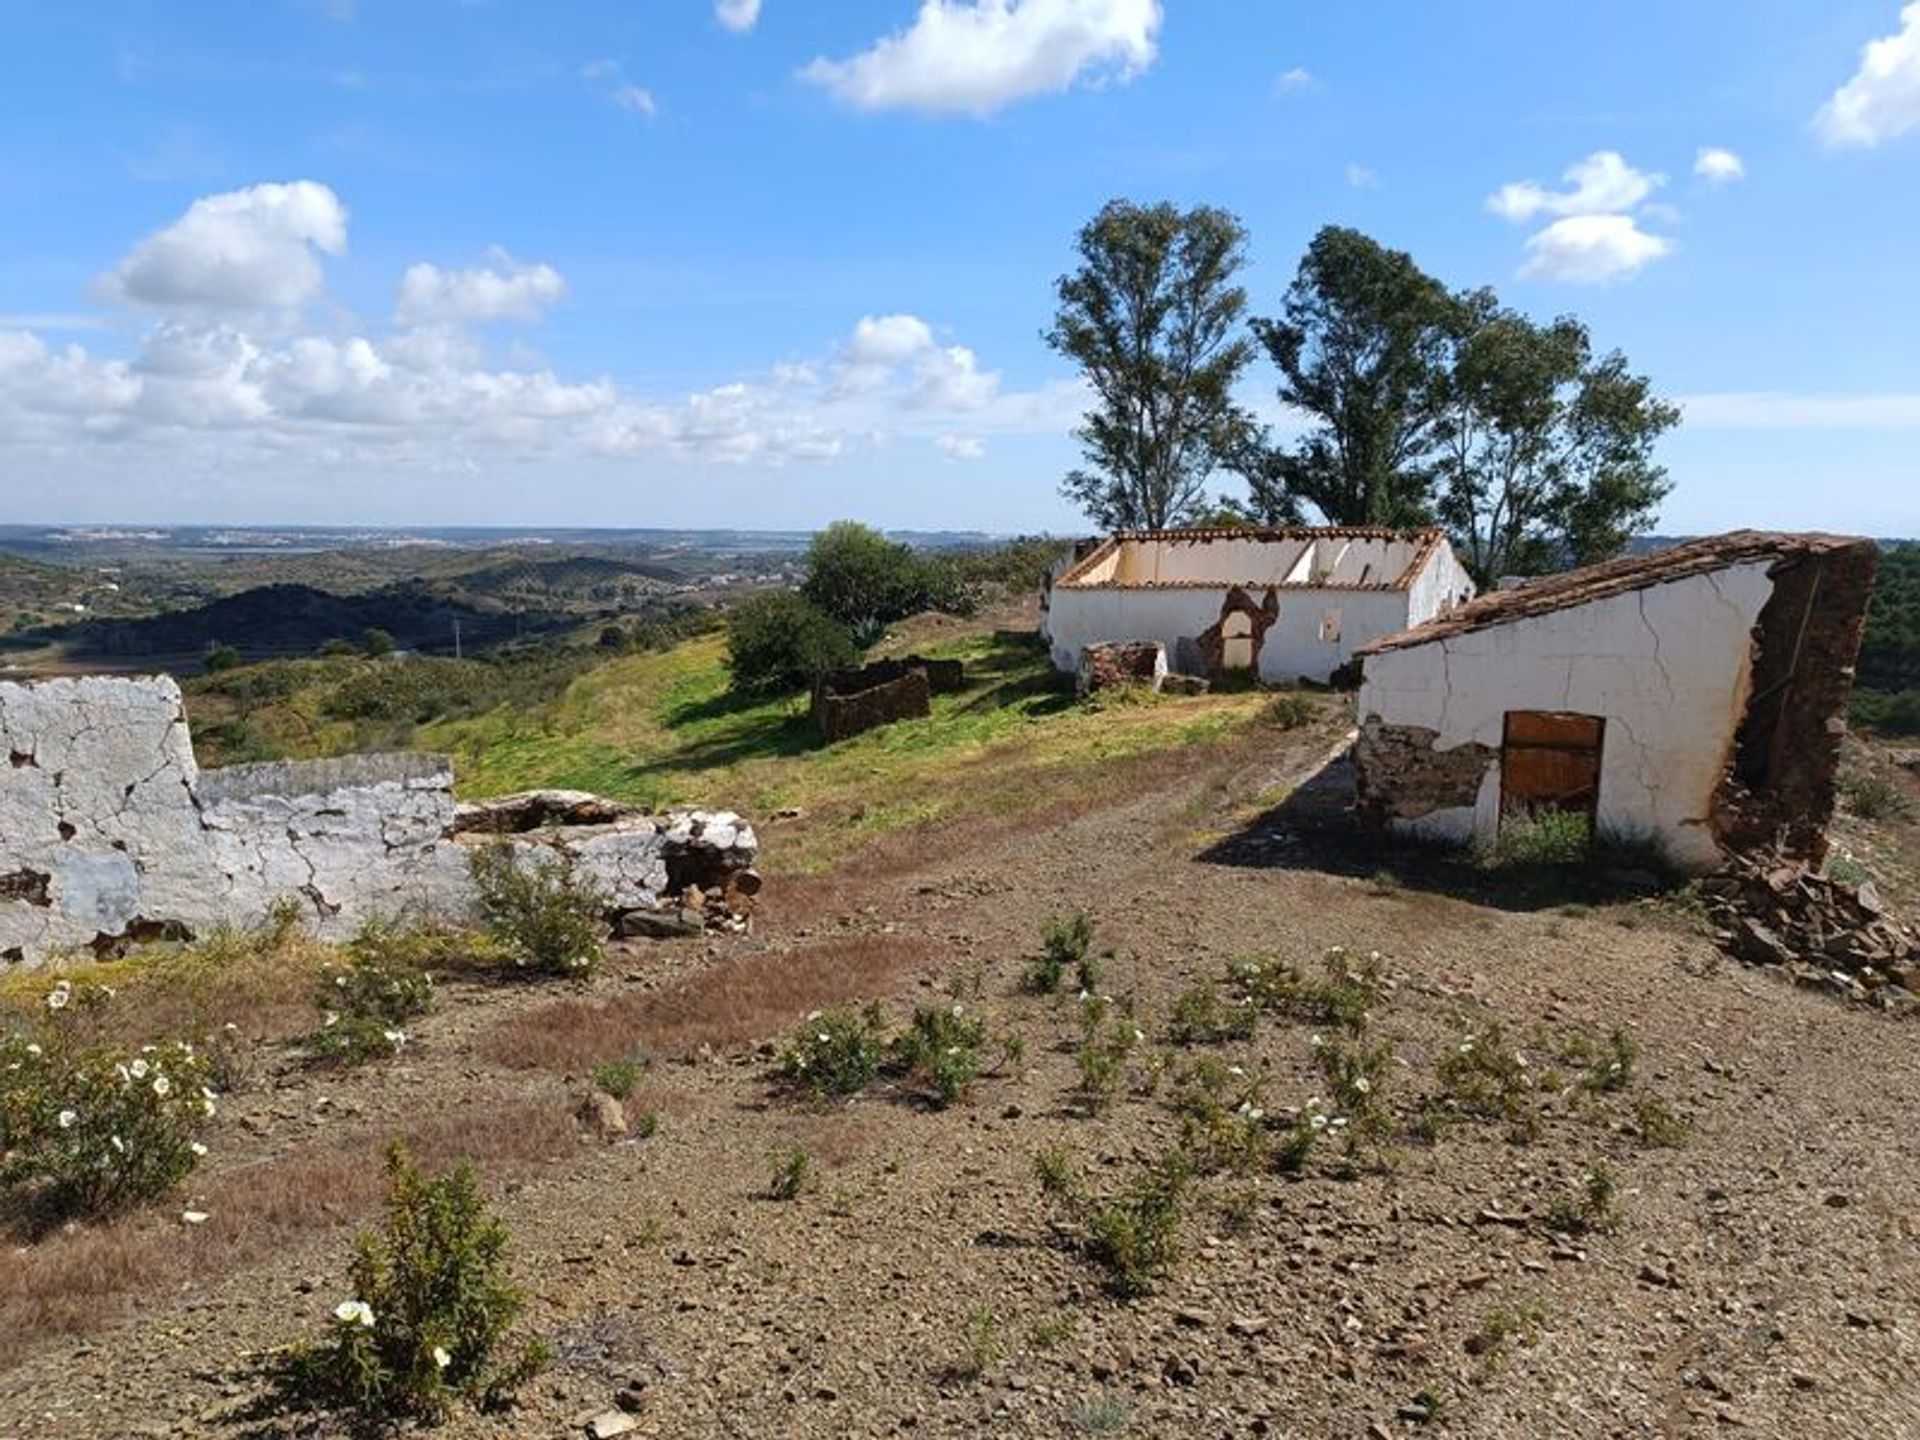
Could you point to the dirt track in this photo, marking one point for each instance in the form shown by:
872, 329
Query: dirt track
1763, 1279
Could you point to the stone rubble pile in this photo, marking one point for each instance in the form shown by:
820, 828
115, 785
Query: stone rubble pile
683, 872
1823, 932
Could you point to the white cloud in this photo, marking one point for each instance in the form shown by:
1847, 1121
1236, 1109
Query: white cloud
211, 391
249, 249
1591, 249
1717, 166
738, 16
498, 290
1361, 178
1882, 99
636, 98
1294, 81
599, 69
888, 340
1602, 184
975, 56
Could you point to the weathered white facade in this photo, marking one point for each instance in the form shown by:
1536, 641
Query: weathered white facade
109, 830
1282, 604
1655, 658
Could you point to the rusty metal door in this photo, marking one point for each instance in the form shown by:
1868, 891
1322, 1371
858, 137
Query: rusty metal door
1550, 760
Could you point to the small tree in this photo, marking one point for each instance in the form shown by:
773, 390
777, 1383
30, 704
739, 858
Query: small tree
780, 642
377, 642
222, 657
431, 1308
1152, 318
862, 579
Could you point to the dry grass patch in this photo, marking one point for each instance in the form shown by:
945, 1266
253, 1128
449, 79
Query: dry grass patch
732, 1003
82, 1278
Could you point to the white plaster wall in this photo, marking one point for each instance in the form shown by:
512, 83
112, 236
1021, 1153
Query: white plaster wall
1292, 650
1441, 584
1078, 617
1667, 667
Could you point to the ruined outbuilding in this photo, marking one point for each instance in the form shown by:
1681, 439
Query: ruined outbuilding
1694, 697
1276, 605
850, 702
110, 832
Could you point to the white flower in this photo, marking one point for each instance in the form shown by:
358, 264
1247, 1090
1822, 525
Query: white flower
58, 996
193, 1217
1317, 1121
1315, 1041
161, 1085
823, 1037
395, 1038
33, 1049
206, 1108
441, 1357
119, 1145
139, 1069
328, 1020
353, 1312
1140, 1037
1363, 1085
815, 1014
68, 1119
197, 1148
958, 1008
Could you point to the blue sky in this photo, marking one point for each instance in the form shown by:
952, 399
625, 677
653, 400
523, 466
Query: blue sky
673, 262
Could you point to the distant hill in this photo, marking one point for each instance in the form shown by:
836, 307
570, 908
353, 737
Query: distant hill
299, 619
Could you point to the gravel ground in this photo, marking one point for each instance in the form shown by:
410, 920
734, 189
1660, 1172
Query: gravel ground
1762, 1279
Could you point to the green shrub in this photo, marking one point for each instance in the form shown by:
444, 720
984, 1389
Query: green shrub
1535, 839
1873, 796
1658, 1126
222, 657
792, 1170
1108, 1035
1201, 1016
780, 642
86, 1130
365, 1003
1594, 1206
1298, 1140
1223, 1120
941, 1051
1488, 1078
618, 1078
1065, 941
430, 1311
835, 1052
1356, 1075
1290, 710
1136, 1234
1344, 997
548, 917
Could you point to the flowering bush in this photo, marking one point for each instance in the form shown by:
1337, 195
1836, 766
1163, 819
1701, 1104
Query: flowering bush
1108, 1035
364, 1003
549, 918
89, 1129
1135, 1233
941, 1051
835, 1052
431, 1308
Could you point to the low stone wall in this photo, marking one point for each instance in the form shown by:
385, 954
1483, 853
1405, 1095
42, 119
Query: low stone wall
849, 702
109, 832
1122, 662
1401, 774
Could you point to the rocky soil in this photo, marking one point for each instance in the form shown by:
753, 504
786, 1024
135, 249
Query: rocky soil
1763, 1279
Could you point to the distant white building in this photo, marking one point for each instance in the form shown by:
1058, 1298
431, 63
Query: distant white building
1283, 605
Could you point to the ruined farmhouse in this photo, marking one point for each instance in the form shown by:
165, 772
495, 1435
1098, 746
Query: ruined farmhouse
1277, 605
1693, 697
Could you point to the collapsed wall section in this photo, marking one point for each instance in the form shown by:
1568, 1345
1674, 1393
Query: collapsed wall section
109, 832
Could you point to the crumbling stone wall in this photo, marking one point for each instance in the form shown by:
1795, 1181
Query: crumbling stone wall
1401, 773
1122, 662
1211, 643
1780, 784
109, 832
848, 702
